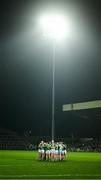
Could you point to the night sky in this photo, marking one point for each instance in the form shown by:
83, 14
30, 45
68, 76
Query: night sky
26, 68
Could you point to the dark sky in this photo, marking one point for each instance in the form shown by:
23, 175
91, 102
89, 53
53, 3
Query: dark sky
26, 68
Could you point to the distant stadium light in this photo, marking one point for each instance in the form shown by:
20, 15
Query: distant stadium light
54, 26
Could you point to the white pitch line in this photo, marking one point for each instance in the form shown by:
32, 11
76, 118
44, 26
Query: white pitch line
51, 175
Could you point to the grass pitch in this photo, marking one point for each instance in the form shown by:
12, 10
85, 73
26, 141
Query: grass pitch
24, 165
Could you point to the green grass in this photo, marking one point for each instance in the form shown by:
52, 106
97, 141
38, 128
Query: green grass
24, 165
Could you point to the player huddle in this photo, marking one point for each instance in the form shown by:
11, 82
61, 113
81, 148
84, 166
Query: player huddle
52, 151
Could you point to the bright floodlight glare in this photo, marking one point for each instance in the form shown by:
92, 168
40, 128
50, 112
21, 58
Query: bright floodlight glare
54, 26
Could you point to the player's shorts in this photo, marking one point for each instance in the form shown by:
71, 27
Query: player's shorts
39, 150
63, 152
42, 151
60, 151
52, 151
48, 152
56, 151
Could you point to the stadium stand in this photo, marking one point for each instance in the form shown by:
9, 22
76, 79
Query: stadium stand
11, 140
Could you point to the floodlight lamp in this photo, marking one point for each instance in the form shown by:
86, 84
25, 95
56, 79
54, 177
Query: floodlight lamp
53, 26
